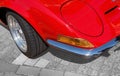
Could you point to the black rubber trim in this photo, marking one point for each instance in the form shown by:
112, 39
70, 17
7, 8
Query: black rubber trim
110, 10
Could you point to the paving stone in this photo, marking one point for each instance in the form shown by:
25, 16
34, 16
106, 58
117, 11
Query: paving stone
10, 55
86, 70
117, 58
7, 46
56, 59
20, 60
96, 64
116, 75
108, 64
118, 65
48, 56
15, 53
72, 67
1, 74
81, 69
47, 72
61, 67
72, 74
115, 69
106, 68
42, 63
11, 74
31, 62
5, 39
110, 60
51, 57
1, 46
52, 65
26, 70
64, 62
3, 31
93, 73
5, 67
104, 74
2, 52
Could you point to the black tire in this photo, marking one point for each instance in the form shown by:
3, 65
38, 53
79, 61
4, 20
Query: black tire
35, 44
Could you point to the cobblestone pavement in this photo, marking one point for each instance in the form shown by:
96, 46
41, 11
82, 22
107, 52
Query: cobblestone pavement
55, 62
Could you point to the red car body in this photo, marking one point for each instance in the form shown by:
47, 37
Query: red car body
95, 21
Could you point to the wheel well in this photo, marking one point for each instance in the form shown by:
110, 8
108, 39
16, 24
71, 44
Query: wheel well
3, 12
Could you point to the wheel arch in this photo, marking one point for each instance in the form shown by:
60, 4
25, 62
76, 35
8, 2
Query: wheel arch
4, 10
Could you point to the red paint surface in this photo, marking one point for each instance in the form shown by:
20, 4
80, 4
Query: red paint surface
79, 19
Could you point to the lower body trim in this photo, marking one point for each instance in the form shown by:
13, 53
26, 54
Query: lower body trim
85, 52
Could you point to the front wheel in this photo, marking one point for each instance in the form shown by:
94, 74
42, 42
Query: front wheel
25, 37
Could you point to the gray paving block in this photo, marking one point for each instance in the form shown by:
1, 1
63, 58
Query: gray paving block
1, 74
52, 65
104, 74
20, 60
11, 74
96, 65
48, 56
31, 62
10, 55
6, 46
93, 73
47, 72
5, 67
71, 74
72, 67
56, 59
81, 69
5, 39
3, 31
115, 70
26, 70
42, 63
61, 67
105, 68
65, 62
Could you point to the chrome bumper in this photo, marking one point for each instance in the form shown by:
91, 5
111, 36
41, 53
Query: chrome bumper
84, 52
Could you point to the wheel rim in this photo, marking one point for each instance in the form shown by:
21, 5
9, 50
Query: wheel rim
17, 33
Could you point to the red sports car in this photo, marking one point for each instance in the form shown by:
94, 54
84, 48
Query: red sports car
85, 27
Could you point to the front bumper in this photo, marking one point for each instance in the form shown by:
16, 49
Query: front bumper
84, 52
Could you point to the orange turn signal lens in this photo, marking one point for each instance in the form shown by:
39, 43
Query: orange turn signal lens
75, 41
